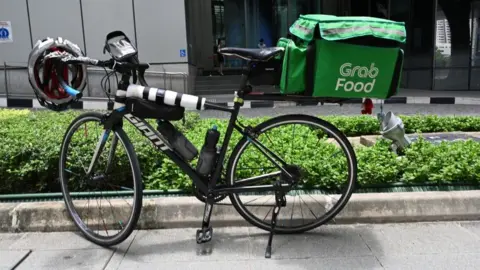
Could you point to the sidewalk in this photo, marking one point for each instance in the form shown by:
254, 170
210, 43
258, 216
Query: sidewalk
388, 246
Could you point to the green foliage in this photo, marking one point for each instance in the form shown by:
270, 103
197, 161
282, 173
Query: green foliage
30, 145
377, 165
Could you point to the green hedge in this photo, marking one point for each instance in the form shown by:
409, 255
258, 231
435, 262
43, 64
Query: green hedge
30, 143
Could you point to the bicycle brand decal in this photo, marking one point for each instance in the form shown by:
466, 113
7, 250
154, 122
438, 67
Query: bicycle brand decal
349, 82
157, 140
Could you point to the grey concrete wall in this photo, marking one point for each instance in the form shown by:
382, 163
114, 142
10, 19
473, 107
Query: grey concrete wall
100, 22
15, 11
2, 82
173, 77
156, 27
65, 21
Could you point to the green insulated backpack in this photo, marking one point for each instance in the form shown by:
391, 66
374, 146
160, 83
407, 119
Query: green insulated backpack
342, 57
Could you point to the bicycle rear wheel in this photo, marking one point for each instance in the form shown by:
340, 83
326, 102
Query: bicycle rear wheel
314, 148
115, 182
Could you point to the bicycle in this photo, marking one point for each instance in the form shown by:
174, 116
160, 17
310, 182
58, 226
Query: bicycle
214, 181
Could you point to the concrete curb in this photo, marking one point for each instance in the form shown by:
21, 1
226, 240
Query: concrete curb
370, 140
182, 212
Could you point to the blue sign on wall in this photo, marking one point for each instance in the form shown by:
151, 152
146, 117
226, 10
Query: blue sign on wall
4, 33
183, 53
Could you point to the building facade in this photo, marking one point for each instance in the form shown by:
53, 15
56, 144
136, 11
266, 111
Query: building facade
156, 27
178, 37
441, 52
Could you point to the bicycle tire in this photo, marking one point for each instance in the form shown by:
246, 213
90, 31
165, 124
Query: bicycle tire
136, 173
241, 145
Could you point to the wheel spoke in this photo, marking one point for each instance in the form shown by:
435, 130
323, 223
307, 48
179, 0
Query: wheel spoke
302, 156
113, 172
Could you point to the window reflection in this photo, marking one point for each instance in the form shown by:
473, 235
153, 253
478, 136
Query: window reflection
280, 8
452, 45
418, 66
443, 36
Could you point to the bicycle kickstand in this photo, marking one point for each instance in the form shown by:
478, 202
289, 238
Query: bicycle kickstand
205, 234
280, 201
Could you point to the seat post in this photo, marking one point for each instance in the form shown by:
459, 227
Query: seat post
244, 80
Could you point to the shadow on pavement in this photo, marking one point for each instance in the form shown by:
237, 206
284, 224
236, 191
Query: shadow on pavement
331, 246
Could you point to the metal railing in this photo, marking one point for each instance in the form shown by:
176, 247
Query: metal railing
169, 81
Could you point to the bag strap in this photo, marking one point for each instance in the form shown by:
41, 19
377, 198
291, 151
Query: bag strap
310, 68
310, 65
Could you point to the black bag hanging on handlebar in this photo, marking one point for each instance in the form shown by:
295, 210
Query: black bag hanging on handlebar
150, 110
118, 45
121, 49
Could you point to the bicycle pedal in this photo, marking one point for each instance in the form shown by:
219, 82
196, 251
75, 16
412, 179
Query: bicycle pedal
204, 235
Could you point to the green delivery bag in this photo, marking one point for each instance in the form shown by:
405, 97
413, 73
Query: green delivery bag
353, 71
343, 57
292, 79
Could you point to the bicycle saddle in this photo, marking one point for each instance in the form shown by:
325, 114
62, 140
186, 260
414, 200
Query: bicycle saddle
252, 54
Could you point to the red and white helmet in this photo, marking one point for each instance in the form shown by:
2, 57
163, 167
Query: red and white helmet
42, 75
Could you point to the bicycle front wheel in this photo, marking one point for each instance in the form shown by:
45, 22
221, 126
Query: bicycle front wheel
103, 198
316, 152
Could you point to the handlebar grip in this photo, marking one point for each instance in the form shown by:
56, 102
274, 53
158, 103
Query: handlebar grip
72, 92
68, 89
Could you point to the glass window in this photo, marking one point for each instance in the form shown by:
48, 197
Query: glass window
418, 65
297, 8
418, 16
280, 18
452, 45
234, 28
400, 11
218, 19
379, 9
475, 57
359, 8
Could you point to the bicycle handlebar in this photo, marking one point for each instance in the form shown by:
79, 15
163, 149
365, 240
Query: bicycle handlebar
122, 67
142, 91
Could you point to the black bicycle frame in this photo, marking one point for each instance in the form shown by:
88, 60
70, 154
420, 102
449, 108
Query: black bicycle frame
114, 120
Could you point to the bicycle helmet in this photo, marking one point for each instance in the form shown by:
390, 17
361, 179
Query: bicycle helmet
42, 73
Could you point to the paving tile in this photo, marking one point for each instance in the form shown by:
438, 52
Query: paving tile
472, 227
78, 259
447, 261
206, 265
367, 262
442, 245
419, 238
341, 263
8, 239
180, 245
9, 258
120, 252
327, 241
53, 241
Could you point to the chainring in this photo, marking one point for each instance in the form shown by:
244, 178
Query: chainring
203, 198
